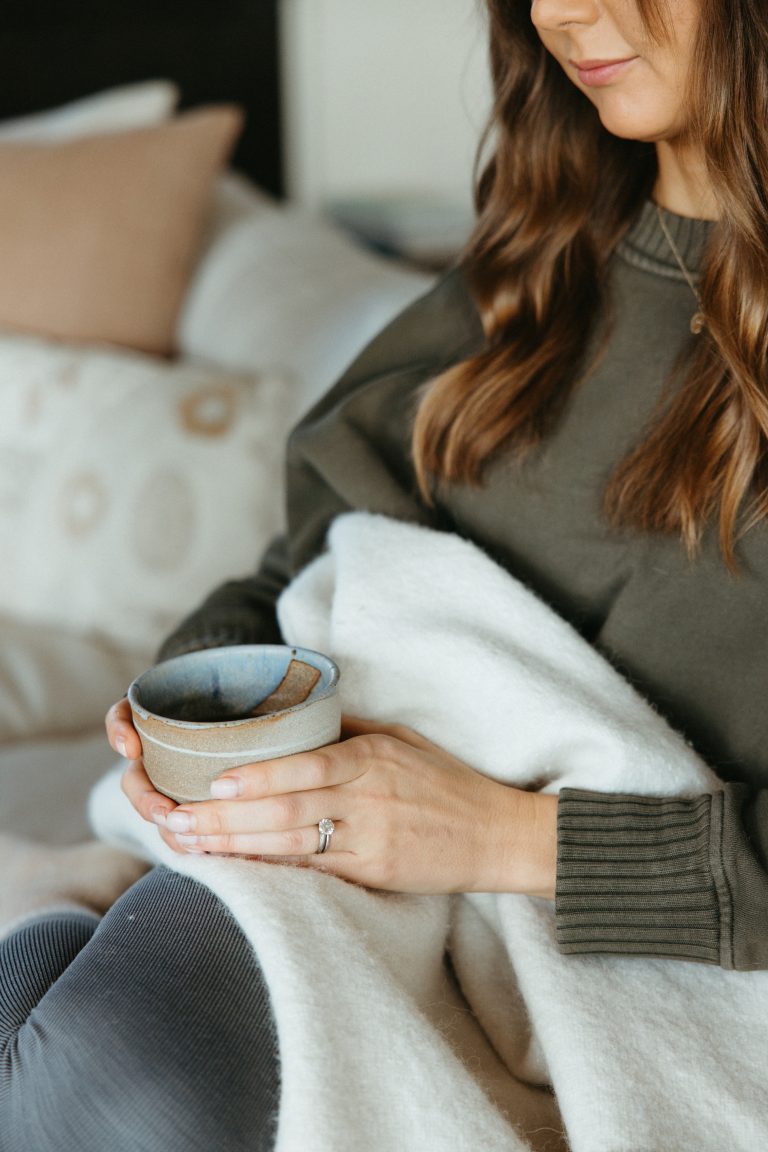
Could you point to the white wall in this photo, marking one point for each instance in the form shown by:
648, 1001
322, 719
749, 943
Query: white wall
383, 96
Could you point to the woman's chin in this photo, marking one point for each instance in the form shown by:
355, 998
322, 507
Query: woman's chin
623, 116
631, 128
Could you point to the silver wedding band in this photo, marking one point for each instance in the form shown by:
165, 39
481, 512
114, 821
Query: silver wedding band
326, 828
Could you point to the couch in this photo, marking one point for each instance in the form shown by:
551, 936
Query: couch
141, 436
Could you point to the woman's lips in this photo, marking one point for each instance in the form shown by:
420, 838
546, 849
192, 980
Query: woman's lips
594, 73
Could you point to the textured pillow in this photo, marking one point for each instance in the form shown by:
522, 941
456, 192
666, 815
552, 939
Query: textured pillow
130, 106
99, 235
129, 486
278, 288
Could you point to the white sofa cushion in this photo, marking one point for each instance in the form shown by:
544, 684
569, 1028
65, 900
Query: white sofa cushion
44, 785
279, 289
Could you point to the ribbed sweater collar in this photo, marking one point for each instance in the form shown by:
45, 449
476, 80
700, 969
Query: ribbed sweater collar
646, 246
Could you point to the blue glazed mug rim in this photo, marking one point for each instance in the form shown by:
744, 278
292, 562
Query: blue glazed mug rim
326, 687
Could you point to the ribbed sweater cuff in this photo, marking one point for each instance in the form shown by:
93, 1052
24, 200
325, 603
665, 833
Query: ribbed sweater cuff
634, 876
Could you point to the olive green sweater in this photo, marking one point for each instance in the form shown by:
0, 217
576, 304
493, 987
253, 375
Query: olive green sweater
682, 878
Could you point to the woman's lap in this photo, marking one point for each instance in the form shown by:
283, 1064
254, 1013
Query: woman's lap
149, 1031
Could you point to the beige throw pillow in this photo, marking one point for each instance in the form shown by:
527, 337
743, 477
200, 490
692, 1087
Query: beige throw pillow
99, 235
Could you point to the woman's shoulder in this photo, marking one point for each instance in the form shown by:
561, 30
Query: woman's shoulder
352, 450
438, 328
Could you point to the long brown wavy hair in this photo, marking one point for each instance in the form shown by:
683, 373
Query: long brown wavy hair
554, 199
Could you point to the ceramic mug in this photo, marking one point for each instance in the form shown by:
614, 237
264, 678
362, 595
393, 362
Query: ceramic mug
199, 714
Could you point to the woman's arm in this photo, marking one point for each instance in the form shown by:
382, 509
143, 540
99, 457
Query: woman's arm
697, 890
350, 451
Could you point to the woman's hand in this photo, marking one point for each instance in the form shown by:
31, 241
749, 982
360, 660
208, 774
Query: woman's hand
408, 816
137, 786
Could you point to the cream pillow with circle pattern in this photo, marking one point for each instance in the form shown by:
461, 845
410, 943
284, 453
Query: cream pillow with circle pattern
130, 486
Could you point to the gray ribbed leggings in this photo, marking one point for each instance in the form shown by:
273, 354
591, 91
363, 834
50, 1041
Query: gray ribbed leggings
147, 1031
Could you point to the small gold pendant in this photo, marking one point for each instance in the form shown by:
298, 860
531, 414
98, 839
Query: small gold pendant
698, 323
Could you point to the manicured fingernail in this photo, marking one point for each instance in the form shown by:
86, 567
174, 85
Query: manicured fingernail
179, 822
158, 815
120, 745
185, 840
225, 789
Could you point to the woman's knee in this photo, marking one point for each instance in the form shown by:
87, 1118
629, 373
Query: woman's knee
160, 1029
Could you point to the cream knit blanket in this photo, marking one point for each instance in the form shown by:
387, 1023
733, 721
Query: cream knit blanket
512, 1047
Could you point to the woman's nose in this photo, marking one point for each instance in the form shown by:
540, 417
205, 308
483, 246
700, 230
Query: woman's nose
549, 15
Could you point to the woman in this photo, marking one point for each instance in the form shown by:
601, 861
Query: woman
589, 398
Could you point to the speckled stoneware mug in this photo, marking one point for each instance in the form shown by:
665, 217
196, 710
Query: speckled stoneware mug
199, 714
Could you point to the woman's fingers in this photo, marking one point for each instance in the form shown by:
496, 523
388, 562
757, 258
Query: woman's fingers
277, 806
272, 808
291, 843
279, 814
322, 768
120, 730
141, 792
304, 771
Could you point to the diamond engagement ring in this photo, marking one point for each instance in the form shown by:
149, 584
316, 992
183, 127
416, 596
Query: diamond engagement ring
326, 829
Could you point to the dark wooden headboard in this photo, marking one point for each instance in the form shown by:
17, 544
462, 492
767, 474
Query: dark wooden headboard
52, 51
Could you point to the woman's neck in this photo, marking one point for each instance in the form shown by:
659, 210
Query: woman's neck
682, 185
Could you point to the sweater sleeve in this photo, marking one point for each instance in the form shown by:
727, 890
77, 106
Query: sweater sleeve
238, 612
681, 878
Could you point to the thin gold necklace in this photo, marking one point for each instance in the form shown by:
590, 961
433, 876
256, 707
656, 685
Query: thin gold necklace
698, 320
